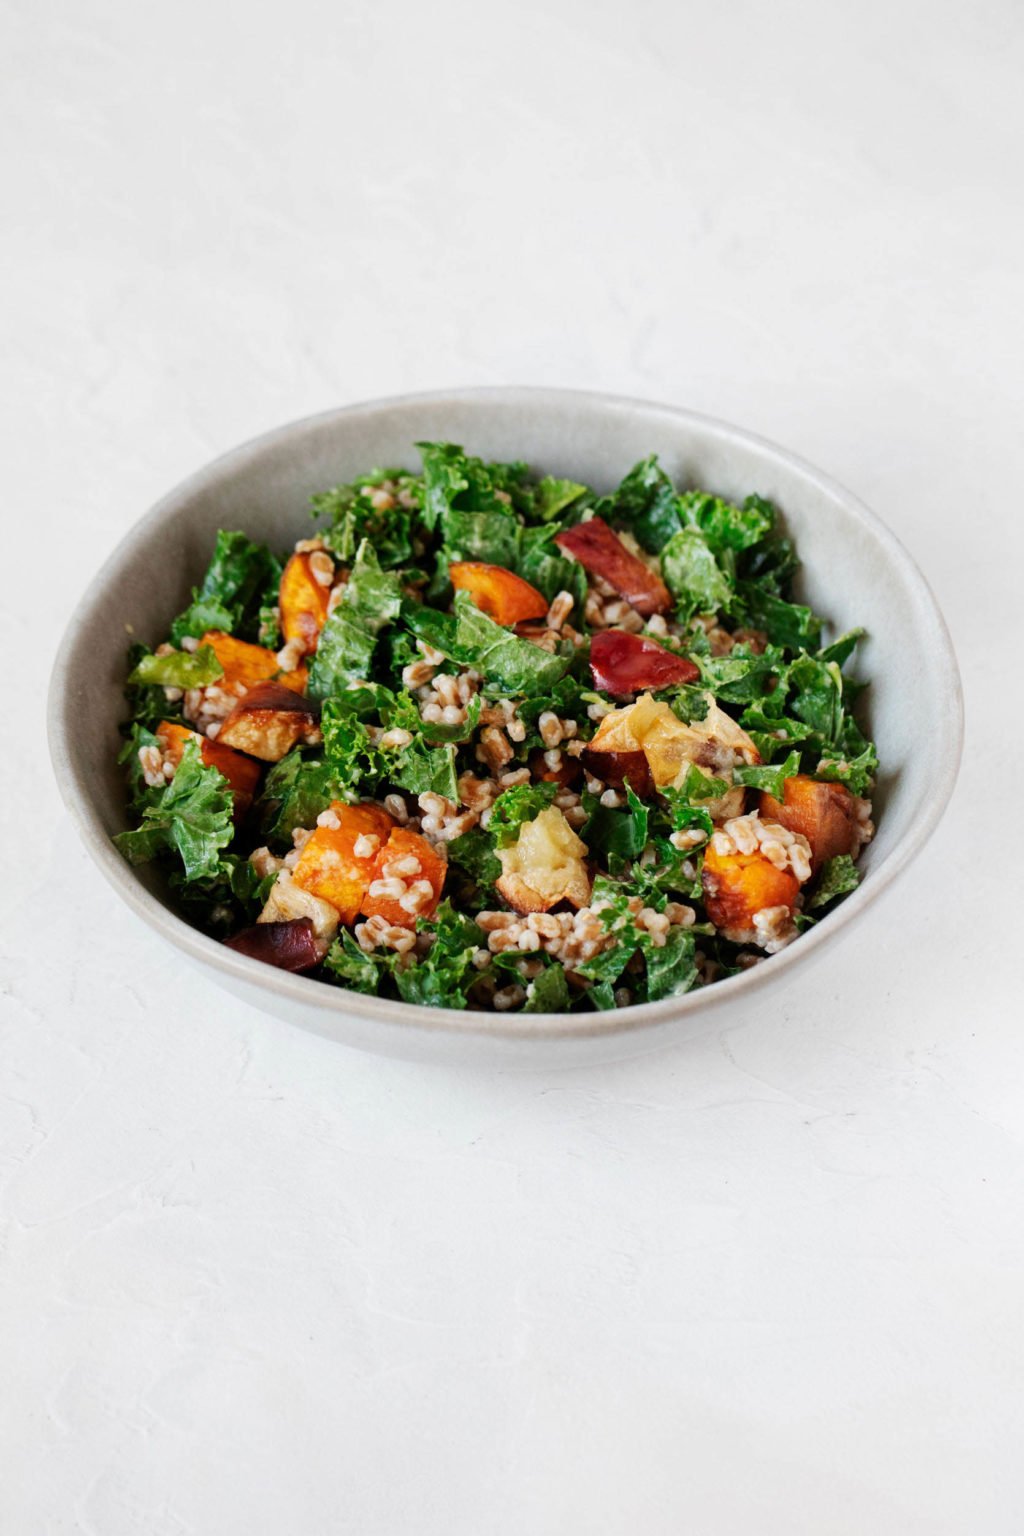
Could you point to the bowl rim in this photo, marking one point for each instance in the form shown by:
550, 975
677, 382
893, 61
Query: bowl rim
340, 1001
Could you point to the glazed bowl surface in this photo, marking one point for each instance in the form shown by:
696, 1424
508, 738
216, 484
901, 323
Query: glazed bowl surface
855, 572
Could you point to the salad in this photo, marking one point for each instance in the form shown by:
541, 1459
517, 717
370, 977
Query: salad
494, 741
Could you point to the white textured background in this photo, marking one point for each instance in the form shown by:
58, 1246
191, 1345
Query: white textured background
771, 1282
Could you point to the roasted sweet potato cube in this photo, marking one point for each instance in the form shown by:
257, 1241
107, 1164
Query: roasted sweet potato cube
330, 865
291, 945
738, 885
242, 774
826, 814
600, 551
269, 720
407, 857
303, 603
246, 665
501, 594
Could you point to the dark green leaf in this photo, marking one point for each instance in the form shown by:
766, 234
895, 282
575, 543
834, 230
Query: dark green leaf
372, 599
699, 786
445, 974
724, 526
192, 815
842, 649
295, 792
693, 575
241, 578
789, 624
551, 497
817, 695
617, 835
548, 992
390, 530
472, 856
356, 765
838, 877
493, 537
546, 568
769, 777
645, 504
522, 803
353, 967
672, 966
856, 772
743, 675
505, 661
424, 769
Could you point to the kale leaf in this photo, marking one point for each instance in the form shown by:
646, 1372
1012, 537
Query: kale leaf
443, 977
242, 578
192, 816
507, 662
355, 517
724, 526
838, 877
646, 505
524, 802
372, 599
295, 792
693, 575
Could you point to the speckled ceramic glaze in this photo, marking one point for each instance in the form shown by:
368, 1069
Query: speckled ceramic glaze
854, 572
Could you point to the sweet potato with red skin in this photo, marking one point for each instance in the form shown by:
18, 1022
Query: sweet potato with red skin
737, 885
291, 946
246, 665
269, 720
566, 774
621, 663
303, 603
400, 844
328, 865
600, 551
616, 767
502, 595
242, 773
826, 814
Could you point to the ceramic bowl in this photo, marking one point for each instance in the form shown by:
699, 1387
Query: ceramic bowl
854, 572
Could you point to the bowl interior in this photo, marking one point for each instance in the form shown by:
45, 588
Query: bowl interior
854, 573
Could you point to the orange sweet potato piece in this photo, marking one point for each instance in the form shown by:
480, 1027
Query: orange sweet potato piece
501, 594
826, 814
736, 885
269, 720
401, 844
246, 665
303, 603
600, 551
329, 866
242, 773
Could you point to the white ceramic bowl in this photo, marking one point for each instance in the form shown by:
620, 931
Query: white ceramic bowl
854, 572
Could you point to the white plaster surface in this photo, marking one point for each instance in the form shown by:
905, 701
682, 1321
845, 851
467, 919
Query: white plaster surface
770, 1282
